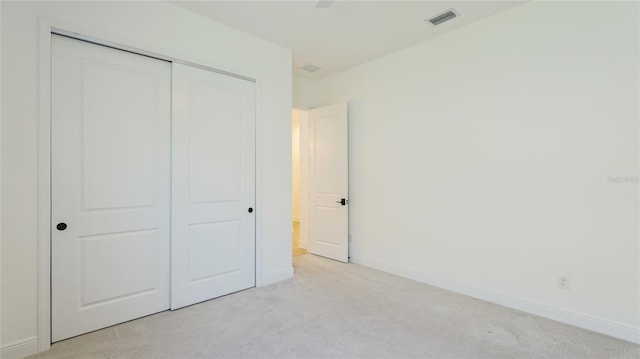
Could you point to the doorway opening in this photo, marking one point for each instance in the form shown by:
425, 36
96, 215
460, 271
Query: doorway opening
299, 180
320, 178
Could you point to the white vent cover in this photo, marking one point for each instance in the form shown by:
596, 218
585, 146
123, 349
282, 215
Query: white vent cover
444, 17
310, 68
324, 4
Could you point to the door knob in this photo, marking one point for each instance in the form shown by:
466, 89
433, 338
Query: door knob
61, 226
343, 201
250, 210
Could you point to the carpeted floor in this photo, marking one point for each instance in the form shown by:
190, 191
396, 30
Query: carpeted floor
335, 310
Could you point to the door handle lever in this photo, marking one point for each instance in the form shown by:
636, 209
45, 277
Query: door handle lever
343, 201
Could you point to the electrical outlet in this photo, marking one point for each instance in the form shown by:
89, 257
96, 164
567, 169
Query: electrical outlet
563, 281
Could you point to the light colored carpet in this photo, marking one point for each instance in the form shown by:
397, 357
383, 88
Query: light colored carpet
335, 310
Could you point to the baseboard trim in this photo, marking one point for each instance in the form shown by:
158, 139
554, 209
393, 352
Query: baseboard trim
303, 244
598, 325
20, 349
275, 277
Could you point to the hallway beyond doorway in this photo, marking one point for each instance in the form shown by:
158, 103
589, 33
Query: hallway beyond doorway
297, 251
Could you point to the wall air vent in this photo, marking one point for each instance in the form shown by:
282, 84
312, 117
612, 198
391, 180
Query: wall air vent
444, 17
310, 68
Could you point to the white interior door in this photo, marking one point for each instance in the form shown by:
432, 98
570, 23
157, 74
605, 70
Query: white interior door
329, 182
110, 172
213, 185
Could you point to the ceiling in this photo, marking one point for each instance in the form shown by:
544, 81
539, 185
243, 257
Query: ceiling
346, 33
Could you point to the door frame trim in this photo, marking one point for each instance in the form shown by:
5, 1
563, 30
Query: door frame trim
46, 28
137, 51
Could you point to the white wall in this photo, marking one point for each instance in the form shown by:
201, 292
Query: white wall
305, 92
0, 179
493, 158
153, 26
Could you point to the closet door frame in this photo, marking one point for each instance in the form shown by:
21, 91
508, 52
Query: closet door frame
46, 28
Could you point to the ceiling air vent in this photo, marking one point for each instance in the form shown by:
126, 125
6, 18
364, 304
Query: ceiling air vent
310, 68
444, 17
324, 4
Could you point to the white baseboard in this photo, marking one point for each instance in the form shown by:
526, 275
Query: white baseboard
303, 244
275, 277
602, 326
20, 349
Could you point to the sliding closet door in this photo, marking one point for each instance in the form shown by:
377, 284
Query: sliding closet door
213, 185
110, 173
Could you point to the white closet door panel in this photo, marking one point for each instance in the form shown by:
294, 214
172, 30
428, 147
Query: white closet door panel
101, 251
216, 143
213, 185
221, 238
110, 186
118, 177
